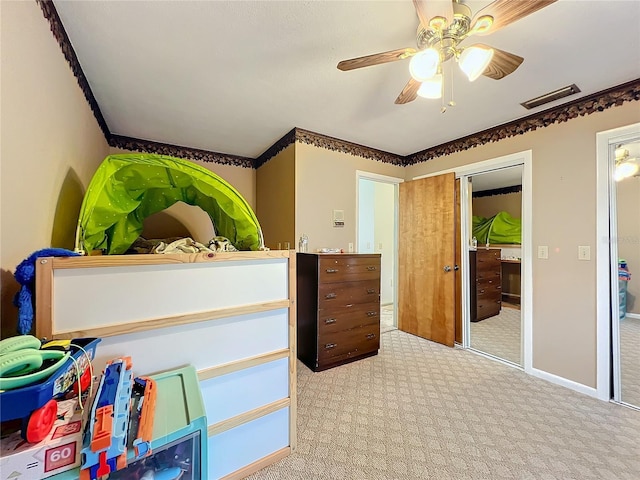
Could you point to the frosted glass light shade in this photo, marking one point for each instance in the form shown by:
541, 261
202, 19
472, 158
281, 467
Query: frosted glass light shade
431, 88
474, 60
626, 169
424, 64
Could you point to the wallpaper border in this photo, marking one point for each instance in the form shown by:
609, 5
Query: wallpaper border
148, 146
60, 34
587, 105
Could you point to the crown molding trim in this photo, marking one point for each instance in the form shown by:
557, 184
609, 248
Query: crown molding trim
596, 102
148, 146
60, 34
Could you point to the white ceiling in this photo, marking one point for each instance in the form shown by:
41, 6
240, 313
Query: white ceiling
235, 76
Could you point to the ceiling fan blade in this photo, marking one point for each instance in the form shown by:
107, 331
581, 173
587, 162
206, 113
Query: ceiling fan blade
409, 92
376, 59
505, 12
428, 9
502, 64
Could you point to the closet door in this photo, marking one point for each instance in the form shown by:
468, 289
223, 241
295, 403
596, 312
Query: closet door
426, 276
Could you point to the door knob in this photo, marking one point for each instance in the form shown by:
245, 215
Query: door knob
447, 268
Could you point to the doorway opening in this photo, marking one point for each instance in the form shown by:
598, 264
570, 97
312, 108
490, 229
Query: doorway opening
431, 308
377, 232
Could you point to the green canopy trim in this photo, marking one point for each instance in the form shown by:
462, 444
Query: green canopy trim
501, 229
128, 188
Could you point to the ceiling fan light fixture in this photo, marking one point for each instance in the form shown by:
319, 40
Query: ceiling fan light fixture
424, 64
625, 169
431, 88
475, 60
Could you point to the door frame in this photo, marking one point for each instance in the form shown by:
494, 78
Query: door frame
608, 340
463, 172
395, 181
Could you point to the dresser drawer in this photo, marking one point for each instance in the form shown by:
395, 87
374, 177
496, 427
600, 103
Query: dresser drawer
491, 257
488, 308
348, 268
485, 289
353, 342
332, 320
346, 293
487, 275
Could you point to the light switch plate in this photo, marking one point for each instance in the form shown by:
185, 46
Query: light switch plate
543, 251
350, 247
584, 252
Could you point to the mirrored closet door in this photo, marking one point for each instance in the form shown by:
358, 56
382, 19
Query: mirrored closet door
625, 257
495, 264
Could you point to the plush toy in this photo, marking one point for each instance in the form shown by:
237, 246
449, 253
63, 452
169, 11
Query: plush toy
25, 274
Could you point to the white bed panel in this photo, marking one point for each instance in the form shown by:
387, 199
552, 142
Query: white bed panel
203, 345
229, 395
236, 448
96, 297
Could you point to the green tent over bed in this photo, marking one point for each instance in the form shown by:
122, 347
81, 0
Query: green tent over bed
501, 229
128, 188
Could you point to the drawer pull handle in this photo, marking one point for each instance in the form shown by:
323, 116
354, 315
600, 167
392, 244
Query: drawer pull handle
371, 268
349, 305
372, 314
329, 346
481, 291
330, 320
332, 270
330, 295
498, 287
371, 290
371, 335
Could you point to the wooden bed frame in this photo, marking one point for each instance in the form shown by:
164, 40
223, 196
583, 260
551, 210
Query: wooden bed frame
230, 315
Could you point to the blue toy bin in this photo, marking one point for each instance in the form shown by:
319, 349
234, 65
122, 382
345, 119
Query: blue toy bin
21, 402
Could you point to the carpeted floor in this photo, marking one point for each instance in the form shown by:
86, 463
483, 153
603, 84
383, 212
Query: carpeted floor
630, 360
499, 335
420, 410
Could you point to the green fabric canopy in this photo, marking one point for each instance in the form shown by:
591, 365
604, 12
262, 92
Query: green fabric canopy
501, 229
128, 188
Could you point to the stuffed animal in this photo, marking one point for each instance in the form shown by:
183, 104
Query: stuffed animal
25, 274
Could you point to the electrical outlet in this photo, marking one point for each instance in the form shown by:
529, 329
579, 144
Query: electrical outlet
350, 247
584, 252
543, 251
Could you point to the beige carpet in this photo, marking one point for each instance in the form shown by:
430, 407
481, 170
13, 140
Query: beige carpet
420, 410
499, 335
630, 360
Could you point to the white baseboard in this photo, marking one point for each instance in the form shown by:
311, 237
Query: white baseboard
633, 315
578, 387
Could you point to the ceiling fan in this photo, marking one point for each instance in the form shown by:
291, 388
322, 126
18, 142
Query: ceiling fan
444, 25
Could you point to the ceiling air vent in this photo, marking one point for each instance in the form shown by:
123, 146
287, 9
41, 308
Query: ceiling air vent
550, 97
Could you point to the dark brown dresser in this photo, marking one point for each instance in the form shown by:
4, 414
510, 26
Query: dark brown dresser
486, 283
338, 310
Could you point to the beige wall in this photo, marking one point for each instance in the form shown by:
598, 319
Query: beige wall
564, 216
489, 206
51, 145
186, 220
276, 198
628, 219
326, 181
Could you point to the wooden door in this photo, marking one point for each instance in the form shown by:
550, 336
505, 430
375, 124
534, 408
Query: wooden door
426, 277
